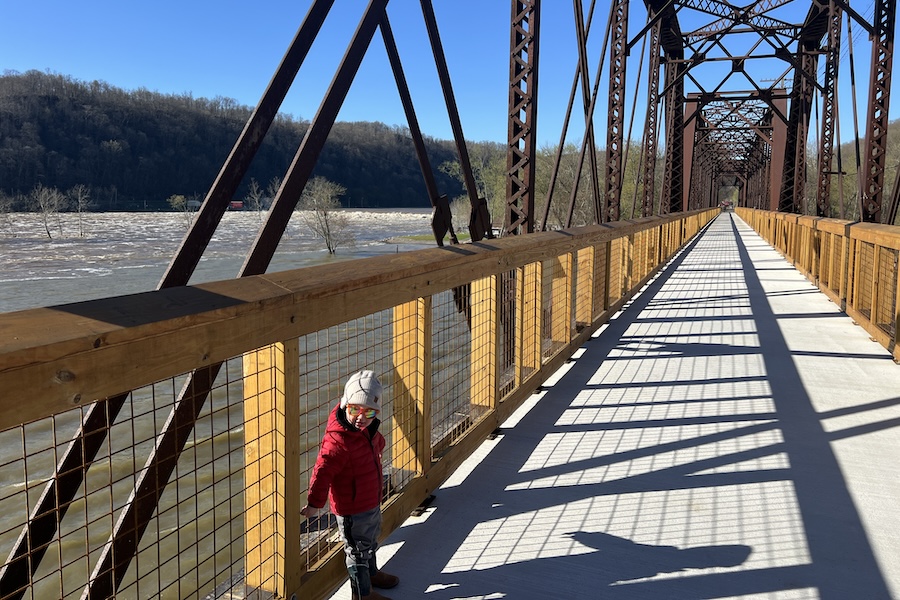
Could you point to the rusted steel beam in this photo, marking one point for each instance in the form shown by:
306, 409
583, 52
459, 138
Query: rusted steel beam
562, 137
810, 66
480, 220
829, 110
54, 502
301, 167
521, 150
672, 194
616, 123
586, 141
891, 218
554, 173
248, 143
794, 174
877, 116
777, 162
118, 552
651, 125
83, 448
581, 38
122, 545
441, 219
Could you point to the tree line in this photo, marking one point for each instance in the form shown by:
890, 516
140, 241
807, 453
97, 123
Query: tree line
132, 150
92, 146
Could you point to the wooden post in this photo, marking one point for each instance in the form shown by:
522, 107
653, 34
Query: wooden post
875, 302
272, 468
893, 347
614, 285
561, 302
855, 285
585, 297
485, 341
411, 420
528, 329
627, 264
601, 278
846, 257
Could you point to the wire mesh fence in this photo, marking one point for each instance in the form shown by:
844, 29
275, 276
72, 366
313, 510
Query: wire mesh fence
190, 486
855, 264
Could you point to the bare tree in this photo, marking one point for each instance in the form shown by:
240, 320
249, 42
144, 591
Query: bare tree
80, 200
272, 189
47, 201
180, 203
254, 199
320, 205
6, 207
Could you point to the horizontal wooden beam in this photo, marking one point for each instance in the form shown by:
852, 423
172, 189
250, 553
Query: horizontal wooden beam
62, 356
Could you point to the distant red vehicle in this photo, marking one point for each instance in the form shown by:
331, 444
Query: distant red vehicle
235, 205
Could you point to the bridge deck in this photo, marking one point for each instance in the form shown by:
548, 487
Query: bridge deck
731, 434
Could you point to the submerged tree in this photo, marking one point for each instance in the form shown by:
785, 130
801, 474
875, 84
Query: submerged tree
320, 204
254, 199
48, 201
488, 162
80, 199
180, 203
6, 207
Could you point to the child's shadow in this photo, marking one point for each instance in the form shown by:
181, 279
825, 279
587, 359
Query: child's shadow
616, 560
646, 560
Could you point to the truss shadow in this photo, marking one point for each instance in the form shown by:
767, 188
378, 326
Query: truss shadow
524, 524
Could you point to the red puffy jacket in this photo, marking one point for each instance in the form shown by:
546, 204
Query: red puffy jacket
348, 469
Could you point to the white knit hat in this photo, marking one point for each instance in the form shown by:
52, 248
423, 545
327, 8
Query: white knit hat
362, 389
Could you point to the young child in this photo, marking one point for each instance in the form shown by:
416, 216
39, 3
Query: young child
348, 471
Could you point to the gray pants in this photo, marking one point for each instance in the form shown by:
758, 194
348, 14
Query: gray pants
360, 533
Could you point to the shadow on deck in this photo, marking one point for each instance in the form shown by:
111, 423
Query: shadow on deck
730, 434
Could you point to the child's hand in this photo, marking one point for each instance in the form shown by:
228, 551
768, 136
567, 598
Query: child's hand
309, 511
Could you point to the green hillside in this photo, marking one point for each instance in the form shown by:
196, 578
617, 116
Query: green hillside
135, 149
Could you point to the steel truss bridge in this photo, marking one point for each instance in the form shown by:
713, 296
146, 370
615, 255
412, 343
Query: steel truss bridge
730, 94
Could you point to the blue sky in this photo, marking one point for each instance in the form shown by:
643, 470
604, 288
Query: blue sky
231, 49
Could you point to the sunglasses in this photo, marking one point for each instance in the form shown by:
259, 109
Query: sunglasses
368, 413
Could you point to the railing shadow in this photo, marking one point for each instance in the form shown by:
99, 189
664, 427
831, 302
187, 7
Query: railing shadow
517, 491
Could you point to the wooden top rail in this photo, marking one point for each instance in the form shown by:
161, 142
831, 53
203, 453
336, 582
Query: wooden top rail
838, 226
887, 236
54, 358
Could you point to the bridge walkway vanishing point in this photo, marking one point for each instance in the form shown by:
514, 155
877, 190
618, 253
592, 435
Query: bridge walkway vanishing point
730, 434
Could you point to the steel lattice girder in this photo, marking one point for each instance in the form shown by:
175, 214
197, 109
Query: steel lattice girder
522, 140
793, 49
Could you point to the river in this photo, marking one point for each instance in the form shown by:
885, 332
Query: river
126, 253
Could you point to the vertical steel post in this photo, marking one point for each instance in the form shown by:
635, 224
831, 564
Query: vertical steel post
877, 115
673, 187
615, 132
652, 123
794, 175
523, 97
829, 109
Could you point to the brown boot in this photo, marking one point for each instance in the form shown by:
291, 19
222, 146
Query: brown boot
373, 595
384, 580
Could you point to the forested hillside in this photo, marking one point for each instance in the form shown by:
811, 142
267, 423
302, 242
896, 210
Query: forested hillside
103, 148
134, 149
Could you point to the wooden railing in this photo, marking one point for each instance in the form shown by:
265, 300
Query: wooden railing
855, 264
160, 444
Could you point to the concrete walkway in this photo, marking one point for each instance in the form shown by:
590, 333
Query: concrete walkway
731, 434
